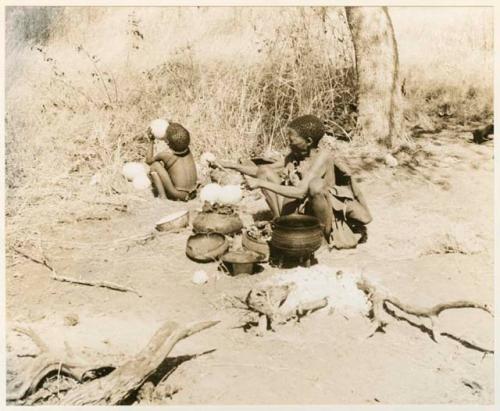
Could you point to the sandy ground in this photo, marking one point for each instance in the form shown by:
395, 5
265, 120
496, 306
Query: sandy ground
324, 359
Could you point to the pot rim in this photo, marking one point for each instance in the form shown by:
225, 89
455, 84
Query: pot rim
281, 221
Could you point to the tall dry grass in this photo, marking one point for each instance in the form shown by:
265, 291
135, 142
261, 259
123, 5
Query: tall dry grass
446, 56
83, 84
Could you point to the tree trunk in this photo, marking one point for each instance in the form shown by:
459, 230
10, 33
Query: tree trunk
380, 102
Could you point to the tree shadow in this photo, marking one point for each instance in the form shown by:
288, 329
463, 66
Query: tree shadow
164, 370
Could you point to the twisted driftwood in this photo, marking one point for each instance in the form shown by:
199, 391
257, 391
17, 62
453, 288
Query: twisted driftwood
269, 302
382, 313
48, 363
125, 380
117, 385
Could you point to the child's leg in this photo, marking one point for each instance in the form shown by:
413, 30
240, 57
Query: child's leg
320, 205
158, 185
169, 187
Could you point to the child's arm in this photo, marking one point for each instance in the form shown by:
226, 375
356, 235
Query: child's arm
150, 153
167, 157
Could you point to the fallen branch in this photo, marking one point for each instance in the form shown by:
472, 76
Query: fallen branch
54, 276
48, 363
102, 384
103, 284
382, 313
117, 386
44, 262
128, 241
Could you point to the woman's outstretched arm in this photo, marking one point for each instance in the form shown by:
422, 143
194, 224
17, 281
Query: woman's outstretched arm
247, 169
317, 170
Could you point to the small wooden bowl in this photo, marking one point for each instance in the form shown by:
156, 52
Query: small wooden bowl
173, 221
259, 246
242, 262
206, 247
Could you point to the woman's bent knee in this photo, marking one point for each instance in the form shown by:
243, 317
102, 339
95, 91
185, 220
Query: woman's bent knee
363, 216
358, 212
367, 218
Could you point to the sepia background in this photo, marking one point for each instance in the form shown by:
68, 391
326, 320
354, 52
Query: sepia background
231, 75
82, 85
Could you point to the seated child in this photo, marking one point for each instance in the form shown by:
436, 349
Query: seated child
173, 171
313, 181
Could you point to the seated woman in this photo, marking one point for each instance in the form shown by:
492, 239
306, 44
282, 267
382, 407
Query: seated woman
313, 181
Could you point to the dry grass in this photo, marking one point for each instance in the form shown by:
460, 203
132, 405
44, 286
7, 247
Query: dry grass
446, 57
458, 239
77, 105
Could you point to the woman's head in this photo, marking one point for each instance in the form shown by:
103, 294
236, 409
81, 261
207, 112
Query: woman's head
304, 133
178, 138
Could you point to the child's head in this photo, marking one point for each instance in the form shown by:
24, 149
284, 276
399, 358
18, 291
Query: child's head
177, 138
305, 132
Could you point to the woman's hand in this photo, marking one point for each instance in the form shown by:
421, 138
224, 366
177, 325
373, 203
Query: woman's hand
252, 183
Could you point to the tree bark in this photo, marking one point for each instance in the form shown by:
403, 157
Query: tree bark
126, 379
380, 102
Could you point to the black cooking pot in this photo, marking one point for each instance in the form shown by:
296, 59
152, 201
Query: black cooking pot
296, 236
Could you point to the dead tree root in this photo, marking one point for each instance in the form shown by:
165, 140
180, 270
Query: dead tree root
104, 384
48, 363
383, 311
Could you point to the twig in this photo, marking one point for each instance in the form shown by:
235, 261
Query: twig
380, 300
435, 310
341, 128
438, 308
59, 378
54, 276
468, 344
44, 262
99, 73
103, 284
